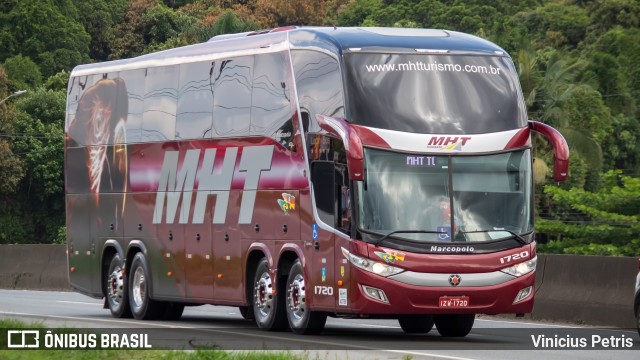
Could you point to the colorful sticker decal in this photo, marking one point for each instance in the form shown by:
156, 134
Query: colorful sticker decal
288, 204
342, 297
342, 271
390, 256
314, 231
324, 274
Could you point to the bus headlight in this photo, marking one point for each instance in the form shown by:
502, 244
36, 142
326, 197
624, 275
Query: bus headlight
369, 265
522, 268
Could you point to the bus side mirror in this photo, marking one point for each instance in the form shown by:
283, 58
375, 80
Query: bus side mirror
352, 143
560, 149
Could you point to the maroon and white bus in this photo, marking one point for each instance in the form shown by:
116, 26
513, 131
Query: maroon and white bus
301, 173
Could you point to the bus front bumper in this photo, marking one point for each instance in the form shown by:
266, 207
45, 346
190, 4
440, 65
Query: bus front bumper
510, 295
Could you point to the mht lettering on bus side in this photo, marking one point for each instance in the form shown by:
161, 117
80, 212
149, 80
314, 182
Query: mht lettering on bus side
176, 184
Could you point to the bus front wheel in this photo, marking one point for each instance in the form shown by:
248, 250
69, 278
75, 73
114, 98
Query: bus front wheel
268, 305
454, 325
416, 324
301, 319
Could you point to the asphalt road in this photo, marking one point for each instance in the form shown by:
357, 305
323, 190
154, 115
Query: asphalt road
223, 327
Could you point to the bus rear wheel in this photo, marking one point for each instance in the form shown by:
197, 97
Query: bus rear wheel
454, 325
172, 311
301, 319
416, 324
268, 305
115, 288
142, 306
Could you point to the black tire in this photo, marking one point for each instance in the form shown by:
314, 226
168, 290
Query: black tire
301, 319
268, 308
142, 306
416, 324
116, 289
173, 311
454, 325
246, 312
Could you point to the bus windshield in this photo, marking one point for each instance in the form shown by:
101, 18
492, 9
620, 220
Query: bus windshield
434, 94
414, 194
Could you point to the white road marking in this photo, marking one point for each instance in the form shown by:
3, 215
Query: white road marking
78, 302
530, 323
379, 326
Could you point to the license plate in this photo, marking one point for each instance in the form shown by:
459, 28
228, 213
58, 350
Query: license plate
454, 301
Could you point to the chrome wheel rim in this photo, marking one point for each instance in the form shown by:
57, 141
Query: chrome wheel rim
115, 287
139, 288
263, 296
296, 300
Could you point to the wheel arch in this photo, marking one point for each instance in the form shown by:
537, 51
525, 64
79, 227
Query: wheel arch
288, 255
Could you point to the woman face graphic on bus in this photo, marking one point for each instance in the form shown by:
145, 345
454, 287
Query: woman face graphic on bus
99, 125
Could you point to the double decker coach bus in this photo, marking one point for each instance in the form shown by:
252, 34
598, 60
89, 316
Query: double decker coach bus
301, 173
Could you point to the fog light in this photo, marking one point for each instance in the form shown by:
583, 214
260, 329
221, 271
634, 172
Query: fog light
523, 294
374, 293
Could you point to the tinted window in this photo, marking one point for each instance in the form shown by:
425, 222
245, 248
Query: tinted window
271, 105
134, 80
232, 97
319, 86
439, 94
158, 120
195, 100
98, 106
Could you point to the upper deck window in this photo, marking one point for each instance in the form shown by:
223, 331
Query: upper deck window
434, 94
319, 86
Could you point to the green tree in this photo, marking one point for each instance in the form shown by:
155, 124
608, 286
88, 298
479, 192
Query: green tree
98, 17
149, 26
58, 82
556, 24
618, 73
11, 166
39, 140
571, 105
609, 14
23, 72
47, 32
127, 39
606, 222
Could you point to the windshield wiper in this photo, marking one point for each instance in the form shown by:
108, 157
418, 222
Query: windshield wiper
513, 234
406, 232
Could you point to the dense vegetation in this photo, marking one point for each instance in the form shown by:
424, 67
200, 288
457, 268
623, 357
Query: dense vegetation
577, 61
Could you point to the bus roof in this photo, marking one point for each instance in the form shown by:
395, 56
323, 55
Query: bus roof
394, 39
336, 40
